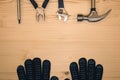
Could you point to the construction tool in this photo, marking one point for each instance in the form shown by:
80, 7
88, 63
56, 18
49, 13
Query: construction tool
19, 11
93, 15
40, 11
61, 12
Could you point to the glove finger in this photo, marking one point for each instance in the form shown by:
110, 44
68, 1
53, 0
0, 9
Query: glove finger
54, 78
83, 69
74, 71
46, 69
66, 79
91, 69
29, 69
21, 72
99, 72
37, 68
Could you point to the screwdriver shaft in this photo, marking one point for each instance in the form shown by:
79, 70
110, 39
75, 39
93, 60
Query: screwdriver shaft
19, 11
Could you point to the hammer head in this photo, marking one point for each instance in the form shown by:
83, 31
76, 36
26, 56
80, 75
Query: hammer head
92, 17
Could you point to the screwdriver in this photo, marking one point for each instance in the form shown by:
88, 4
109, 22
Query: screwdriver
19, 11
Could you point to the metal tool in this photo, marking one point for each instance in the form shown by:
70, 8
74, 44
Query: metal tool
93, 15
40, 11
61, 12
19, 11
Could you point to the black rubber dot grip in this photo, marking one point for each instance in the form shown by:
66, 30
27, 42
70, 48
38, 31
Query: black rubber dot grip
44, 5
21, 72
35, 5
60, 4
46, 69
29, 69
99, 72
91, 69
83, 69
74, 71
37, 68
54, 78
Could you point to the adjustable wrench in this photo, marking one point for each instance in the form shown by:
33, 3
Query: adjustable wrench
61, 12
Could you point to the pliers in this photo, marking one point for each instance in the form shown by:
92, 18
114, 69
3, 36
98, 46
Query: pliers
40, 11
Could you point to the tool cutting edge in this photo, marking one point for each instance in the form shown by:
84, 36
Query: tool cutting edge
19, 21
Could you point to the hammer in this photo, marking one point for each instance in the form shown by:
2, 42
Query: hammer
93, 15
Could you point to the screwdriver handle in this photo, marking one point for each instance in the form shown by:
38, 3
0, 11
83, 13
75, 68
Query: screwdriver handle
45, 3
60, 4
33, 2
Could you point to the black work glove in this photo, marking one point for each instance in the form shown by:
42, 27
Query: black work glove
86, 70
34, 70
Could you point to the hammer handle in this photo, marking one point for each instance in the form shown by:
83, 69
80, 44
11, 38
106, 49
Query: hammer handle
33, 2
60, 4
93, 2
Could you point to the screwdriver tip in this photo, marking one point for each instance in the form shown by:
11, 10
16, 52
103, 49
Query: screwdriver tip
19, 21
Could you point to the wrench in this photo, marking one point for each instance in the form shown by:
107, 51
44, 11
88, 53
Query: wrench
61, 12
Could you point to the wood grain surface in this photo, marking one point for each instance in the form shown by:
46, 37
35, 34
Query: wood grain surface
57, 41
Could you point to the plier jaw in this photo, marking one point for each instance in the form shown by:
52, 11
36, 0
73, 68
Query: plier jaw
40, 11
40, 14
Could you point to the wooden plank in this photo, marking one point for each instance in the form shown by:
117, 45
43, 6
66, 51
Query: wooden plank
59, 42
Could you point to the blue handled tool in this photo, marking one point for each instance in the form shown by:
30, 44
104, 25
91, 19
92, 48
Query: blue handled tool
62, 13
40, 11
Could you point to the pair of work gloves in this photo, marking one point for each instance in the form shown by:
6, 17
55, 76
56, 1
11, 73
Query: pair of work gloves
37, 70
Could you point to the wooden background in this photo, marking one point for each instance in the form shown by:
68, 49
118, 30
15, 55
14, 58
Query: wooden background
57, 41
